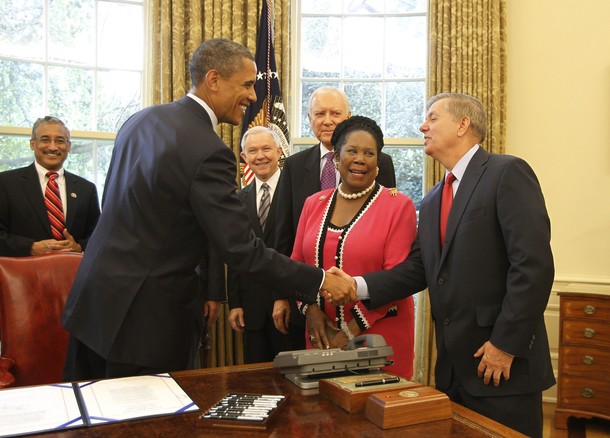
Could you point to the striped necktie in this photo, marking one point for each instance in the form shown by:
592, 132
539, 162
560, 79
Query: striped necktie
263, 209
328, 178
55, 209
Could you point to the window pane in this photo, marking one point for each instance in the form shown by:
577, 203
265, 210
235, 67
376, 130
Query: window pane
72, 31
363, 49
409, 168
405, 60
365, 100
15, 152
90, 159
364, 6
320, 47
71, 97
118, 96
21, 28
21, 91
406, 5
120, 25
320, 6
404, 109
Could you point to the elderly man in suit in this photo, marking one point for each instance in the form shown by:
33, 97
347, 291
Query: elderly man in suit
252, 304
303, 175
488, 266
134, 307
26, 225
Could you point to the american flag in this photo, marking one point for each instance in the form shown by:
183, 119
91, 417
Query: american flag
269, 109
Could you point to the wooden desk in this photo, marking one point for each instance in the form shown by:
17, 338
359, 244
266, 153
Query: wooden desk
307, 414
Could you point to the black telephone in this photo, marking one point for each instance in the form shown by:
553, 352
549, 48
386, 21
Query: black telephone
363, 354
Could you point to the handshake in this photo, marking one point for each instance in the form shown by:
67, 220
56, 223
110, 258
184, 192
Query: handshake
338, 287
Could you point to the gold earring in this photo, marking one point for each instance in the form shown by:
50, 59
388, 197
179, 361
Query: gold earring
337, 165
377, 171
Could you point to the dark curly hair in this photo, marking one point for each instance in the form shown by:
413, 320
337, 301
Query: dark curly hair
356, 123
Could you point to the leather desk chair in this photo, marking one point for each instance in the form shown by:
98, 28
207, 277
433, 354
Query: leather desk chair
33, 292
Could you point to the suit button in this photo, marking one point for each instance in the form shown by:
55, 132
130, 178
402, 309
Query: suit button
446, 321
440, 281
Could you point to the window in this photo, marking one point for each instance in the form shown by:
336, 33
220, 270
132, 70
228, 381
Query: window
79, 60
375, 51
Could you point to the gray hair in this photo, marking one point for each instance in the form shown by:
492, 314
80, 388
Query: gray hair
220, 54
48, 119
464, 105
260, 130
330, 90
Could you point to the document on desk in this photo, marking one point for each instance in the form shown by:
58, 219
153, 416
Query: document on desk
55, 407
38, 408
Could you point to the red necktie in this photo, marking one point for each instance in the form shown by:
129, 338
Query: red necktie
55, 209
446, 201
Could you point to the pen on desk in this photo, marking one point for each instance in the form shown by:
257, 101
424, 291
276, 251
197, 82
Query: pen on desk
378, 381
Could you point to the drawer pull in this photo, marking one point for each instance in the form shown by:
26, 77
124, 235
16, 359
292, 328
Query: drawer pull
587, 392
589, 309
588, 332
588, 360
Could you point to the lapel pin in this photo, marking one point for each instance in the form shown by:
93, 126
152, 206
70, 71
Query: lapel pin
73, 195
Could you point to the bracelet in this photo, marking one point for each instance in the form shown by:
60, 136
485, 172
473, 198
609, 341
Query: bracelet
347, 331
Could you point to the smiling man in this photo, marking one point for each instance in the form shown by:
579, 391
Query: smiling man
26, 225
135, 307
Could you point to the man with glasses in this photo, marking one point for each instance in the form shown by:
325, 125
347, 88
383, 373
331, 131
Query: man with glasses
44, 208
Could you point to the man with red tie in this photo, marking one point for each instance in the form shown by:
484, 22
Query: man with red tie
44, 208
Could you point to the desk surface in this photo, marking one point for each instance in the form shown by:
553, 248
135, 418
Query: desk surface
306, 415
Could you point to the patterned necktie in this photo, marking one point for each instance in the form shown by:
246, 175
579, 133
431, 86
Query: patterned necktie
446, 201
263, 209
55, 209
328, 179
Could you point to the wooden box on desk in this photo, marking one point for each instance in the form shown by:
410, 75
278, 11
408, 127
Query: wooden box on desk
344, 392
407, 406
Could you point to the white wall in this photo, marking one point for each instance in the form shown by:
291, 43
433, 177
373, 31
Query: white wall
559, 121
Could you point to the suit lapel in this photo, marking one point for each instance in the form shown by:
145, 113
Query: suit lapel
250, 201
472, 176
71, 198
33, 194
312, 171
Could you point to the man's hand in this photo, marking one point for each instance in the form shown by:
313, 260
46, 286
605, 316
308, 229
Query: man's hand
494, 363
52, 245
236, 319
319, 328
281, 315
338, 288
211, 309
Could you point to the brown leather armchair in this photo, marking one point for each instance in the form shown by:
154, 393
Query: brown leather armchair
33, 291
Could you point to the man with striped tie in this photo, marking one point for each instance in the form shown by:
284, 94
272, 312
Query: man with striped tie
44, 208
252, 310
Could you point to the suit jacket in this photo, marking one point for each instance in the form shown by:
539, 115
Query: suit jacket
490, 281
23, 215
169, 194
256, 299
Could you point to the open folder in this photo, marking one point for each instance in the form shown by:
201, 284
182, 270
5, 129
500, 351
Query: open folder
67, 405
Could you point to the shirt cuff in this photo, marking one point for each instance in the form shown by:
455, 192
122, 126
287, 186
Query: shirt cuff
362, 290
323, 278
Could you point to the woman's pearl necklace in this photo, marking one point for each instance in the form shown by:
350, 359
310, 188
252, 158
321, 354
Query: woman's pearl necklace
355, 195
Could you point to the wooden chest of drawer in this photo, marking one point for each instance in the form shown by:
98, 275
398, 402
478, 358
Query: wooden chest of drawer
584, 357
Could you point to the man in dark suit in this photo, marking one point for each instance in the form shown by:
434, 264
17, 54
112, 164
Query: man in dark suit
489, 280
25, 227
302, 173
252, 305
134, 307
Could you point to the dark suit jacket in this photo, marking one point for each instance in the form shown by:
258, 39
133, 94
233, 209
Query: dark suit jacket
256, 299
169, 193
490, 281
23, 215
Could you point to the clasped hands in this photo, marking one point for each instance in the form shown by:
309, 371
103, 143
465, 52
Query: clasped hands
338, 287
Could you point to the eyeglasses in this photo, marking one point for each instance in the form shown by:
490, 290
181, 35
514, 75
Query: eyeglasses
60, 141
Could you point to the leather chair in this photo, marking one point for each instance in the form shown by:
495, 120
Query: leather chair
33, 292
